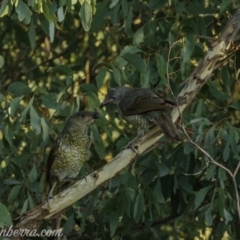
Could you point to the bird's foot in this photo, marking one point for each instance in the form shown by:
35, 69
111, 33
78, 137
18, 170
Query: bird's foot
46, 200
50, 194
133, 145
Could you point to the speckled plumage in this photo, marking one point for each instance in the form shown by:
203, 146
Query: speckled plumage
69, 151
142, 107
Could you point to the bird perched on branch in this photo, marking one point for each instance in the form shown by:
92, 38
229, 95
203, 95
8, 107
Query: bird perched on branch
143, 107
69, 151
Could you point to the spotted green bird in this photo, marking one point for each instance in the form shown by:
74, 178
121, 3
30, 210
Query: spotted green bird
143, 107
69, 151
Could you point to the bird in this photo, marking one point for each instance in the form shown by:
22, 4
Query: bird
143, 107
69, 151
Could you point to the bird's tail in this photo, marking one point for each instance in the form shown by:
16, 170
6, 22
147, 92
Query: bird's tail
168, 127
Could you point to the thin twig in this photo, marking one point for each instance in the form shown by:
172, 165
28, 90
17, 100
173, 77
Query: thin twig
232, 175
236, 170
197, 173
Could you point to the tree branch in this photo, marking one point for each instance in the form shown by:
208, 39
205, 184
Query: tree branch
221, 49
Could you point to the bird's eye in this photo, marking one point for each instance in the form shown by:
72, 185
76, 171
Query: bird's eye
113, 97
83, 115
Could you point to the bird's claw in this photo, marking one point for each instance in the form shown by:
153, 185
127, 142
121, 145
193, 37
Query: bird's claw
133, 146
83, 177
46, 201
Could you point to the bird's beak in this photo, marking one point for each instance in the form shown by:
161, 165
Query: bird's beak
105, 102
95, 115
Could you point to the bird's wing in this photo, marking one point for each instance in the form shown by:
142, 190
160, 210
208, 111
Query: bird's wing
51, 158
143, 100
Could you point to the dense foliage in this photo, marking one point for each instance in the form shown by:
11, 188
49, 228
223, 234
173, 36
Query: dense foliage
57, 57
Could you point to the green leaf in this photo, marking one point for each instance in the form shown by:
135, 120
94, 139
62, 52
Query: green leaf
32, 176
113, 222
45, 128
222, 177
156, 4
62, 2
51, 30
120, 62
24, 113
23, 12
228, 217
94, 99
14, 193
129, 49
50, 101
209, 139
46, 9
11, 181
217, 93
5, 217
163, 170
60, 14
35, 120
1, 61
125, 6
100, 77
200, 195
224, 134
8, 134
226, 152
99, 147
221, 200
188, 48
113, 4
211, 172
114, 16
138, 207
99, 19
136, 61
131, 193
128, 22
224, 5
233, 140
187, 148
24, 208
18, 88
30, 200
86, 15
32, 35
208, 216
138, 36
89, 88
53, 8
235, 105
184, 183
162, 70
116, 75
158, 192
4, 8
64, 69
69, 224
14, 105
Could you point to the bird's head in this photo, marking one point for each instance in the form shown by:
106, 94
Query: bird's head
84, 117
115, 95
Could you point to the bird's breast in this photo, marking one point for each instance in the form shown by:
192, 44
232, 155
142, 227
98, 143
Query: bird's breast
137, 120
70, 158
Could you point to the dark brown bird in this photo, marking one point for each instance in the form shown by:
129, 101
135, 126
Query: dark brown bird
69, 151
142, 107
